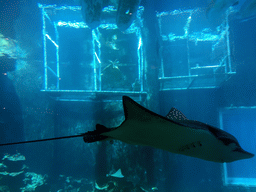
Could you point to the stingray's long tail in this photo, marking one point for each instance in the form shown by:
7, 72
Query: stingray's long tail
96, 135
41, 140
89, 137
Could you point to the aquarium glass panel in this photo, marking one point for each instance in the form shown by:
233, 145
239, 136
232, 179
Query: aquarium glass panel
241, 123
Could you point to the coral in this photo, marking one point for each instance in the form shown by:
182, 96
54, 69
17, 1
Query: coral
33, 181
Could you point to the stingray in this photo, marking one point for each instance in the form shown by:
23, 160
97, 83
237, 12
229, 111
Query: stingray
117, 174
173, 133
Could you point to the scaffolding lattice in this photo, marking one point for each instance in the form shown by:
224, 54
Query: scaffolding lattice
193, 55
97, 67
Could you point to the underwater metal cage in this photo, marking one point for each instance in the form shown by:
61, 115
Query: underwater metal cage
80, 62
193, 56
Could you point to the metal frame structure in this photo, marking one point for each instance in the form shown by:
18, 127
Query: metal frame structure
195, 79
51, 36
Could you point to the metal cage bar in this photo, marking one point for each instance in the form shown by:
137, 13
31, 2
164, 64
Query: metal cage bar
96, 46
195, 73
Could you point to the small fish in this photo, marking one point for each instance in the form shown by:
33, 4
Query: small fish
174, 133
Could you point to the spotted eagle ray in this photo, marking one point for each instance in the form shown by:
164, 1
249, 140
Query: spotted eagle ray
173, 133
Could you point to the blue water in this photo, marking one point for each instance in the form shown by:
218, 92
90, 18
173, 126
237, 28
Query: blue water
68, 78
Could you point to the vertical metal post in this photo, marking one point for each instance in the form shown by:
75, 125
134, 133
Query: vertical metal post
57, 57
160, 31
99, 55
44, 48
186, 28
94, 60
188, 59
224, 174
142, 67
228, 45
140, 63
